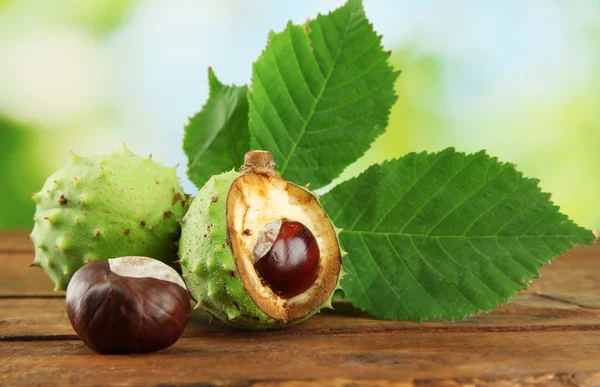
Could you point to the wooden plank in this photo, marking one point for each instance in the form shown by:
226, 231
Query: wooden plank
571, 276
15, 241
43, 319
548, 335
270, 357
17, 278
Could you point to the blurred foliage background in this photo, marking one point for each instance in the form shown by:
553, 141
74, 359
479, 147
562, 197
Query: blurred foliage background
520, 79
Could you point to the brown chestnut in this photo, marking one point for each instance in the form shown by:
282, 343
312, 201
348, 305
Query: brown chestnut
287, 257
128, 305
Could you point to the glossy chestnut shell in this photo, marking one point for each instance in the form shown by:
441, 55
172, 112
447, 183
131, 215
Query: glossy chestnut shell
291, 265
114, 313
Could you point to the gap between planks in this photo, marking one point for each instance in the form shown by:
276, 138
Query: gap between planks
343, 332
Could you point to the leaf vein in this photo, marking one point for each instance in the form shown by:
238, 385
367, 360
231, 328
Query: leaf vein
413, 185
369, 232
491, 260
519, 186
413, 276
435, 194
461, 203
283, 168
469, 270
528, 252
259, 79
508, 254
383, 275
542, 216
358, 77
349, 262
529, 205
297, 62
285, 86
348, 103
440, 274
259, 114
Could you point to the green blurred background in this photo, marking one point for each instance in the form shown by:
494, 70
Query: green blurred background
520, 79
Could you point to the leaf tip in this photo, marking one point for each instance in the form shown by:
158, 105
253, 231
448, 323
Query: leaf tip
213, 82
355, 3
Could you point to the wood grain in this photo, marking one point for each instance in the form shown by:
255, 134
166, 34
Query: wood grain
46, 318
268, 356
15, 242
573, 277
548, 336
17, 278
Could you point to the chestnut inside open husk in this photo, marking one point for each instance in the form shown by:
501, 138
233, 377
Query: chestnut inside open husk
258, 251
291, 262
127, 305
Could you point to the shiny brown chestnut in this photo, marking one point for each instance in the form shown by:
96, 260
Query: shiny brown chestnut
128, 305
286, 257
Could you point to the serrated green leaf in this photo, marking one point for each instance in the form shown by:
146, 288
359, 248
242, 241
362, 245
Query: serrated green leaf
217, 138
321, 93
444, 235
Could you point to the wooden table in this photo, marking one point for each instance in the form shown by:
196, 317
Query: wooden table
548, 335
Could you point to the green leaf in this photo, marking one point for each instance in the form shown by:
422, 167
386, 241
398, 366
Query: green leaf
321, 93
444, 235
217, 138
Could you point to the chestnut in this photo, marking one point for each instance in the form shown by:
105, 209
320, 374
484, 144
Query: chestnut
286, 257
128, 305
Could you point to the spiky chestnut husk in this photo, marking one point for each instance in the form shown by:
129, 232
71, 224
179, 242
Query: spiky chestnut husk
104, 207
218, 233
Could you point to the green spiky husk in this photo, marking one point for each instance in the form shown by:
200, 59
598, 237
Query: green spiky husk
208, 264
105, 207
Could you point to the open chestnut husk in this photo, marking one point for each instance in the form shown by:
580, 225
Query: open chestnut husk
258, 251
128, 305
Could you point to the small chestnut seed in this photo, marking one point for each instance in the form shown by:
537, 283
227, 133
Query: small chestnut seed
286, 257
128, 305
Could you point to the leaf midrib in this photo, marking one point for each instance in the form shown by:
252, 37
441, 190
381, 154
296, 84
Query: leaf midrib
229, 130
283, 168
207, 143
466, 237
226, 127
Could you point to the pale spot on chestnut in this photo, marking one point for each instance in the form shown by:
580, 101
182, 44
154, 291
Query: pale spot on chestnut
127, 305
143, 267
